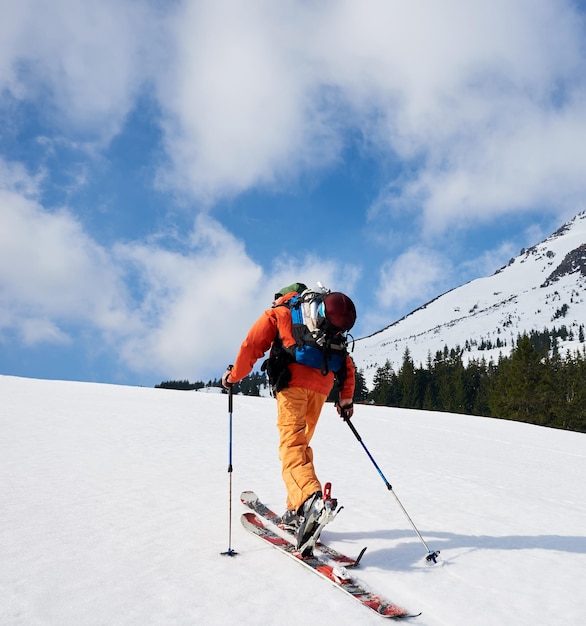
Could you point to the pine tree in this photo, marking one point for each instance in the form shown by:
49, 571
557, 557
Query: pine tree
409, 396
360, 390
519, 391
382, 391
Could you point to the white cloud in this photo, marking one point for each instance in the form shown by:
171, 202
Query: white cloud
483, 102
241, 98
489, 105
413, 277
189, 307
51, 272
529, 160
167, 308
196, 302
39, 330
200, 302
491, 261
312, 270
15, 177
86, 61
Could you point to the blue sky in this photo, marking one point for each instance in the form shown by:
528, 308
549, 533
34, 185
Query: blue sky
166, 167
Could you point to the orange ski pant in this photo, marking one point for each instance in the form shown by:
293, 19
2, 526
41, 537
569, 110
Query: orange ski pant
298, 413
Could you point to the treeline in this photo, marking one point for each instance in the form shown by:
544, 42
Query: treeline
257, 384
534, 384
183, 385
546, 338
252, 385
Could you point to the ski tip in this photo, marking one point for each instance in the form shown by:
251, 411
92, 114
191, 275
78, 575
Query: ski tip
248, 496
251, 519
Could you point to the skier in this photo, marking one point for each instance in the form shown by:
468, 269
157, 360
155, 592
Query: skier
300, 391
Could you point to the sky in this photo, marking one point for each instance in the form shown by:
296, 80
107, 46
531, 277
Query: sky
166, 167
116, 508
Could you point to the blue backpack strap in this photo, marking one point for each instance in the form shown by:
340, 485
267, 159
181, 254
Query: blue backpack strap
296, 313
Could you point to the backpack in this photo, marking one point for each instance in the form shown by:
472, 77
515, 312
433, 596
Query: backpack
320, 323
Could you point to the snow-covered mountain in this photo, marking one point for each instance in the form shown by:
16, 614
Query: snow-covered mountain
543, 287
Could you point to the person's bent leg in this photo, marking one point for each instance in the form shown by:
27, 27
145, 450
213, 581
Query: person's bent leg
298, 413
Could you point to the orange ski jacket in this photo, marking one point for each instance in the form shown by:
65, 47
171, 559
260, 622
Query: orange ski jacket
260, 338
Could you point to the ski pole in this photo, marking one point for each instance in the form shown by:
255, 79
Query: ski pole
431, 555
230, 551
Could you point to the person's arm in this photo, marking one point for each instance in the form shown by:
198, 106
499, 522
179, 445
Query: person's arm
345, 404
259, 339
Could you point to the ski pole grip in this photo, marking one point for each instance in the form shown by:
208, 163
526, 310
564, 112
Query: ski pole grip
230, 389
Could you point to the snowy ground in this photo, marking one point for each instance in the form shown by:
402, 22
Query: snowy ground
114, 510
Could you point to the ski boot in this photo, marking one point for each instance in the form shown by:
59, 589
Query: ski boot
317, 511
290, 521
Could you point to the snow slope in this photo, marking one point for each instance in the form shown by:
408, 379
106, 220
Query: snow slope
114, 510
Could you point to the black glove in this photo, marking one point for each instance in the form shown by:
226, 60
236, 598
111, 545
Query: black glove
345, 412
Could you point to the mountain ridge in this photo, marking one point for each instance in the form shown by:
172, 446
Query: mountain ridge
544, 287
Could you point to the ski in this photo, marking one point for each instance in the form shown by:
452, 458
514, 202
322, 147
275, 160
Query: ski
252, 501
336, 575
